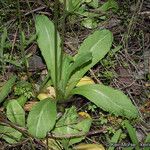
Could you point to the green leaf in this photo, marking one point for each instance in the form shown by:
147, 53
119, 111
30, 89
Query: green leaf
13, 62
7, 88
90, 23
73, 5
132, 134
15, 113
115, 138
147, 142
76, 65
98, 44
81, 127
22, 100
30, 40
110, 4
3, 39
128, 148
81, 60
115, 50
147, 138
9, 134
87, 14
109, 99
69, 67
42, 118
46, 41
67, 61
72, 124
94, 3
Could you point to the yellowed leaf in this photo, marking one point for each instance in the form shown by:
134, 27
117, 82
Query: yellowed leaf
42, 96
147, 84
84, 115
49, 92
85, 80
89, 147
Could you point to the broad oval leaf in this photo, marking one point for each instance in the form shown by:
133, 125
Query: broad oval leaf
46, 42
7, 88
98, 44
109, 99
42, 118
15, 113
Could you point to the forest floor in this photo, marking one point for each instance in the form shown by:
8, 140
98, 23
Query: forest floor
126, 68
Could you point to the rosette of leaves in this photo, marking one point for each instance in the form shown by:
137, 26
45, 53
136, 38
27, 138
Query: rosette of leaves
66, 71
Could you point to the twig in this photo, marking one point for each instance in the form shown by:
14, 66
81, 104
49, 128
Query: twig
34, 10
67, 136
145, 13
135, 105
94, 76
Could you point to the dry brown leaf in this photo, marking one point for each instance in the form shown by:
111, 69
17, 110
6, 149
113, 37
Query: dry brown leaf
29, 105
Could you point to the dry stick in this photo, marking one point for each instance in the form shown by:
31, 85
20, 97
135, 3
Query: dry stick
28, 3
68, 136
4, 121
34, 10
145, 13
143, 122
94, 76
136, 105
18, 143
